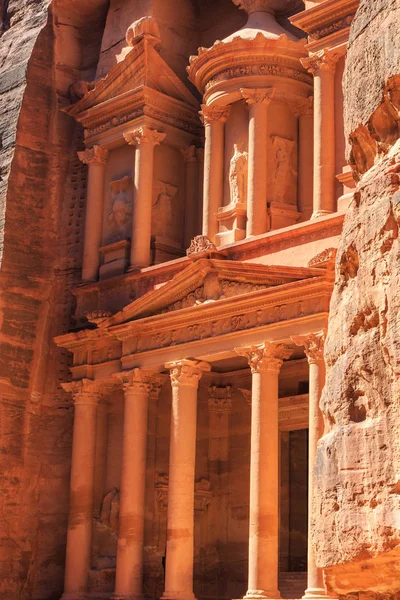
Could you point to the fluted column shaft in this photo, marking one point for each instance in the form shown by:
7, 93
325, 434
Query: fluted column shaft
145, 140
79, 536
96, 159
191, 193
265, 362
257, 215
185, 376
313, 344
213, 190
137, 385
322, 66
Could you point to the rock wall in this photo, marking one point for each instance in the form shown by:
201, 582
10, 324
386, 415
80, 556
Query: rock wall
356, 532
44, 46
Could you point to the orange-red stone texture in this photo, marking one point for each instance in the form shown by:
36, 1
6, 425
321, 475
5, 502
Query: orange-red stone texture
357, 534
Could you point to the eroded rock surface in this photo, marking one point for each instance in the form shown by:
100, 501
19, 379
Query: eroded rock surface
357, 540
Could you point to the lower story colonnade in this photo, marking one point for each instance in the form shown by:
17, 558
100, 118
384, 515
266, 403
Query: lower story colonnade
141, 388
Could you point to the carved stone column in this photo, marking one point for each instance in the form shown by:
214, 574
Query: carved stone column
314, 348
214, 122
145, 140
96, 159
191, 193
257, 216
265, 362
185, 377
322, 66
138, 384
86, 397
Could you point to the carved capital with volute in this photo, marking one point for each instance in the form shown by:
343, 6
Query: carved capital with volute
210, 114
96, 155
298, 105
313, 344
257, 96
84, 391
144, 135
220, 398
265, 357
140, 381
189, 154
324, 60
187, 372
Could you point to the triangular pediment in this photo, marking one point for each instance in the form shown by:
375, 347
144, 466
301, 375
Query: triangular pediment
142, 67
209, 281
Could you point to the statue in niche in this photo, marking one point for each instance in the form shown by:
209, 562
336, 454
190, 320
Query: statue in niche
238, 176
121, 209
110, 510
163, 203
285, 173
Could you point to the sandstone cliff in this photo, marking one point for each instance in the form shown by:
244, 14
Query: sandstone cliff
357, 540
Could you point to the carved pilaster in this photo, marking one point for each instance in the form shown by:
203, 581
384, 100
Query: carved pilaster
187, 372
313, 344
220, 398
95, 155
265, 357
144, 135
210, 114
257, 96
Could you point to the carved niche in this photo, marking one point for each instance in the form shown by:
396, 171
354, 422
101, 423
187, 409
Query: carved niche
238, 176
284, 179
164, 207
119, 216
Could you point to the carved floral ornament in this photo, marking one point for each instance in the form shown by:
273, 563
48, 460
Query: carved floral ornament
265, 357
199, 245
324, 60
96, 155
87, 391
187, 372
313, 344
257, 96
141, 381
220, 398
144, 135
210, 114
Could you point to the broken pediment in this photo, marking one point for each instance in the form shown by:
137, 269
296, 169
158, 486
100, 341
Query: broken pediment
141, 68
207, 281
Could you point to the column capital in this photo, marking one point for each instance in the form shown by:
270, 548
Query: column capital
313, 344
140, 381
299, 105
265, 357
324, 60
96, 155
211, 114
189, 154
84, 391
220, 398
144, 135
187, 372
257, 96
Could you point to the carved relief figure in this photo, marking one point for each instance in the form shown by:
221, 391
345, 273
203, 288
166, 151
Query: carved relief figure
164, 203
121, 209
285, 173
238, 176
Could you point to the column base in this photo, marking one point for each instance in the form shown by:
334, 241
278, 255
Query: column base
321, 213
316, 593
262, 594
178, 596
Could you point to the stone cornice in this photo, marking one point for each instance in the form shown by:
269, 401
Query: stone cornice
317, 19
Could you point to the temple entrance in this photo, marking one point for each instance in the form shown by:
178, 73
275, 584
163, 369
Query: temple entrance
293, 513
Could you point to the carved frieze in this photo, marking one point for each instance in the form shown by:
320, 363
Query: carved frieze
258, 69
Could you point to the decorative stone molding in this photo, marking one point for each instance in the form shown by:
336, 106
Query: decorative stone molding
299, 105
190, 154
98, 316
211, 114
146, 27
220, 398
257, 96
96, 155
144, 135
187, 372
265, 357
199, 245
323, 258
324, 60
313, 344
